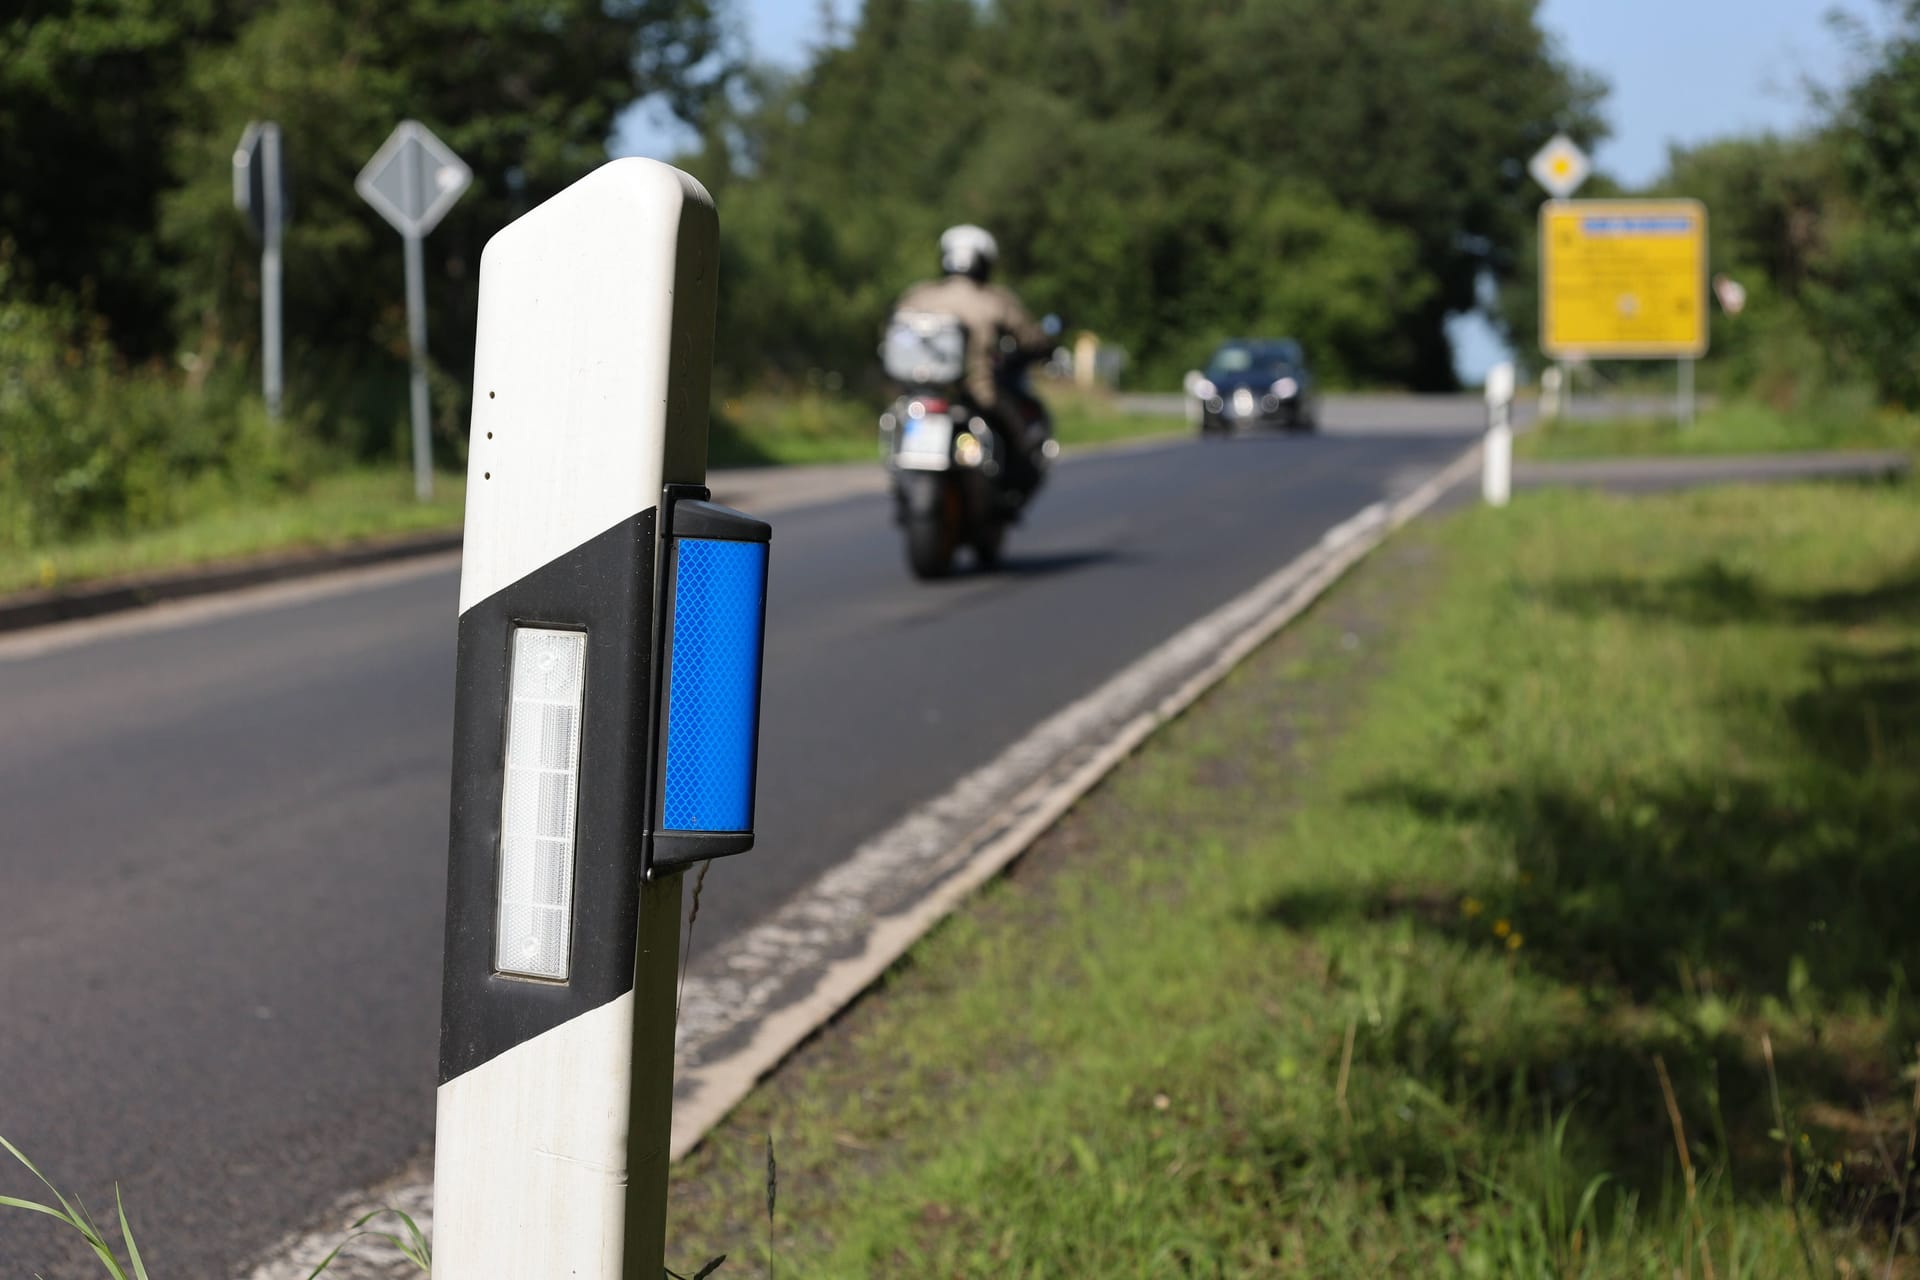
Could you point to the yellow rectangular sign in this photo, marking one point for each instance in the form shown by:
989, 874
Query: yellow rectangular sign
1623, 279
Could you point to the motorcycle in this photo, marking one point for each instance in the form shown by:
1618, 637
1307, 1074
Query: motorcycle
956, 480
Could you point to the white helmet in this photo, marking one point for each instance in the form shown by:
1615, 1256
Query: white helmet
967, 250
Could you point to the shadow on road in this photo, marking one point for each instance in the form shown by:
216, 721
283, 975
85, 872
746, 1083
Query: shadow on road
1044, 563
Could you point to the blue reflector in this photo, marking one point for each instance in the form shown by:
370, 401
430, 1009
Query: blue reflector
713, 688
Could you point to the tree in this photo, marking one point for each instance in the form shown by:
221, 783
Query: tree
119, 118
1151, 166
1868, 302
526, 91
86, 108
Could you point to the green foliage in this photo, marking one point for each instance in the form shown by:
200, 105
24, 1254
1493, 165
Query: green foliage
1834, 419
86, 93
119, 119
415, 1247
525, 91
73, 1214
1868, 306
760, 428
1823, 231
93, 446
341, 507
1162, 173
1363, 966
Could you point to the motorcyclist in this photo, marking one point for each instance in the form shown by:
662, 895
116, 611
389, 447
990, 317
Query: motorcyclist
1000, 333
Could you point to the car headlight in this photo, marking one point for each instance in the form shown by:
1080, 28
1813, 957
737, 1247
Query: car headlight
1204, 390
1285, 387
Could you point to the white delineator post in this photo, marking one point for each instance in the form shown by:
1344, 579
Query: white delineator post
590, 397
1496, 483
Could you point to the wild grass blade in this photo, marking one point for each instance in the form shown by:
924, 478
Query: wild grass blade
10, 1202
77, 1218
417, 1251
1906, 1172
126, 1234
328, 1260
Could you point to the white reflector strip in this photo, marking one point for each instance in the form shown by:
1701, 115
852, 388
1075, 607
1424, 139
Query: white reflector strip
534, 932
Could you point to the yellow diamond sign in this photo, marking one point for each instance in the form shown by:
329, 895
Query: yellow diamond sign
1623, 279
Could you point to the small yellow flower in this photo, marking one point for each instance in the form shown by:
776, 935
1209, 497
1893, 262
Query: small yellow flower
1526, 877
1471, 907
1501, 928
1515, 941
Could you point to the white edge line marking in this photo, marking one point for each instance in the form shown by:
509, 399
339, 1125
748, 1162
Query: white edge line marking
708, 1091
32, 642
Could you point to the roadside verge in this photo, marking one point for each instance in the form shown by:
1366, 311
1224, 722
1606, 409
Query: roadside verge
1535, 907
749, 1002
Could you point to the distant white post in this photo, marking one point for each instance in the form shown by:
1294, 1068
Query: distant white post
1551, 379
1496, 481
1684, 410
606, 715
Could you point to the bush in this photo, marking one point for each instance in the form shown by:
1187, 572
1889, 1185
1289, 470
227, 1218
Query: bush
88, 446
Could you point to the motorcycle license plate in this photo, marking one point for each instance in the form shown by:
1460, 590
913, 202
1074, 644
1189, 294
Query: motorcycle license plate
924, 441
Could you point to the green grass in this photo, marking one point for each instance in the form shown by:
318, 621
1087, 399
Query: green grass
342, 508
762, 428
335, 510
1375, 962
1740, 427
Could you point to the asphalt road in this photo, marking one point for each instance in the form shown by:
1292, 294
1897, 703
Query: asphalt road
222, 858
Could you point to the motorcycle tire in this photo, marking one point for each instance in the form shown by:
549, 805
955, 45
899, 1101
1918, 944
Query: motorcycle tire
987, 544
933, 536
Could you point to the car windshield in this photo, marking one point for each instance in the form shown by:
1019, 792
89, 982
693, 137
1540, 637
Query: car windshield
1253, 357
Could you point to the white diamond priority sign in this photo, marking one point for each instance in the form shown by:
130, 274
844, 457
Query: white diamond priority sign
1560, 166
413, 179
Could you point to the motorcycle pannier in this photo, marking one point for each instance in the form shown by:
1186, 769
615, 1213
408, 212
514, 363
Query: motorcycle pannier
924, 348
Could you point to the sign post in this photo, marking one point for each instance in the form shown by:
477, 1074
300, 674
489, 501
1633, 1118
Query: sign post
605, 727
412, 180
260, 191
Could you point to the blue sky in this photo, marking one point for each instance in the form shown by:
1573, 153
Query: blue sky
1680, 71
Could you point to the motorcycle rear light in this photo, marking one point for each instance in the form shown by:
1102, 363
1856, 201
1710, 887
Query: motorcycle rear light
928, 405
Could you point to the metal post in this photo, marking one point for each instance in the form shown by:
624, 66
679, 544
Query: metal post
417, 350
273, 219
1685, 406
591, 378
417, 342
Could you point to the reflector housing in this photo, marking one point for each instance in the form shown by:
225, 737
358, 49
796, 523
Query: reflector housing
715, 607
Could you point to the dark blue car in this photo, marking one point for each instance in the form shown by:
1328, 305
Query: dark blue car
1255, 382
